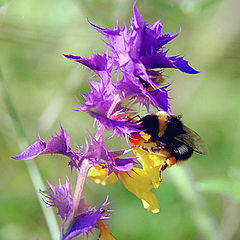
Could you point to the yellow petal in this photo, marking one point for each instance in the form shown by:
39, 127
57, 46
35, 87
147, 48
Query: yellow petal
151, 204
99, 175
149, 161
140, 184
147, 158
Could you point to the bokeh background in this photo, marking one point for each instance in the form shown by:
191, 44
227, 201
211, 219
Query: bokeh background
198, 200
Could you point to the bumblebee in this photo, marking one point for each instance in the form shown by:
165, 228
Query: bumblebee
171, 135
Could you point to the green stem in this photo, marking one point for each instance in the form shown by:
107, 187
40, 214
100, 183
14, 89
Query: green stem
31, 165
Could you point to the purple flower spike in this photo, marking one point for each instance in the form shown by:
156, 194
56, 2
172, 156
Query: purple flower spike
139, 53
87, 222
60, 197
56, 145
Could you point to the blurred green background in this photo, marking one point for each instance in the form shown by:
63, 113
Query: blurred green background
198, 200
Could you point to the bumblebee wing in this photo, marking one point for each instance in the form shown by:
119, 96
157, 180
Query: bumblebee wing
193, 140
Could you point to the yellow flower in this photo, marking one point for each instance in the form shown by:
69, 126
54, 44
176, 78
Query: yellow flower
149, 161
100, 175
139, 183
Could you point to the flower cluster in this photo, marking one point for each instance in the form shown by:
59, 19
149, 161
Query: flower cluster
131, 77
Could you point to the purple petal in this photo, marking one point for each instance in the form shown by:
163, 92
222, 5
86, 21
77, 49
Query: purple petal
120, 44
98, 63
137, 21
58, 144
83, 224
160, 60
32, 151
124, 164
160, 99
120, 127
183, 65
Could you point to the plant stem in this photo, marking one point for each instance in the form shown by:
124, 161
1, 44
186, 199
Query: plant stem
62, 230
82, 173
31, 165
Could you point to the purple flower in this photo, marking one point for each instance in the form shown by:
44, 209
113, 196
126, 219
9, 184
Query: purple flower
60, 197
87, 222
139, 54
104, 99
56, 145
141, 45
98, 155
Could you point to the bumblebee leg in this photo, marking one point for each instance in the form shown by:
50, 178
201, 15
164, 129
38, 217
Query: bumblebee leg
162, 168
167, 163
